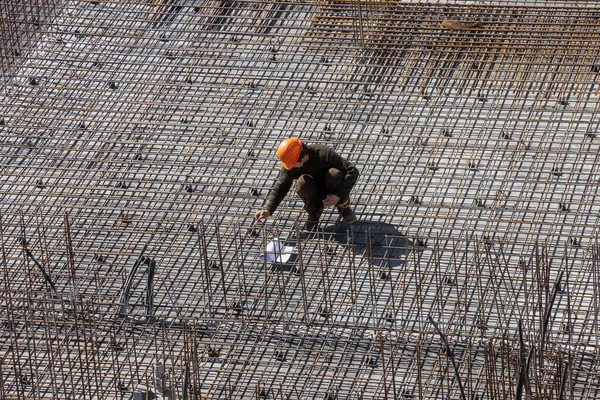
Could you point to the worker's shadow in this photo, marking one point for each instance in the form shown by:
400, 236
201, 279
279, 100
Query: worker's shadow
377, 243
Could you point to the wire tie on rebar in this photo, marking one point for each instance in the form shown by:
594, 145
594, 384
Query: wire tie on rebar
389, 317
449, 281
212, 352
371, 361
590, 134
556, 171
414, 200
236, 306
24, 379
279, 355
39, 183
323, 311
487, 241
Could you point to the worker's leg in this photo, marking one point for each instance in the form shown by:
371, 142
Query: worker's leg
333, 180
312, 195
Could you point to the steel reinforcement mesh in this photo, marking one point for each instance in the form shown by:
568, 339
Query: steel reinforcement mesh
138, 140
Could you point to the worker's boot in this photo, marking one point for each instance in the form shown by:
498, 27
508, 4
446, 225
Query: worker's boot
346, 212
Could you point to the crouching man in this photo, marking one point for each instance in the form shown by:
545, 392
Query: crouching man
323, 179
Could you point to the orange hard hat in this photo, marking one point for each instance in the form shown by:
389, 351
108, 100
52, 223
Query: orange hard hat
289, 152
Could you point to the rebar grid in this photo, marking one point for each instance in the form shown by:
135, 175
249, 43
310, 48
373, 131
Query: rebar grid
138, 142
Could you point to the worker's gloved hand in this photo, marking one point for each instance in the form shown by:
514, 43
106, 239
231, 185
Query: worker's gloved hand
331, 200
262, 215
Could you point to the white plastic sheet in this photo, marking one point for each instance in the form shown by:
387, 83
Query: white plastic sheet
277, 252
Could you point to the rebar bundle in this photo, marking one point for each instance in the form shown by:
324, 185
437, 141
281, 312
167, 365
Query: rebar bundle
138, 140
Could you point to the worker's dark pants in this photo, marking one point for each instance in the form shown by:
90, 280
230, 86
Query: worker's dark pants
313, 190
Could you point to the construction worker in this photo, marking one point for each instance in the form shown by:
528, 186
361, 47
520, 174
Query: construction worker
323, 179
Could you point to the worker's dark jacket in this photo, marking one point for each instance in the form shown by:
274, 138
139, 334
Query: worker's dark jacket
320, 159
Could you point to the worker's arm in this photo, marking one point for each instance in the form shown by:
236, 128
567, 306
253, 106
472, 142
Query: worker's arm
278, 192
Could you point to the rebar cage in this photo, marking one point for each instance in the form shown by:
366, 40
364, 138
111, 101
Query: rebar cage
138, 140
